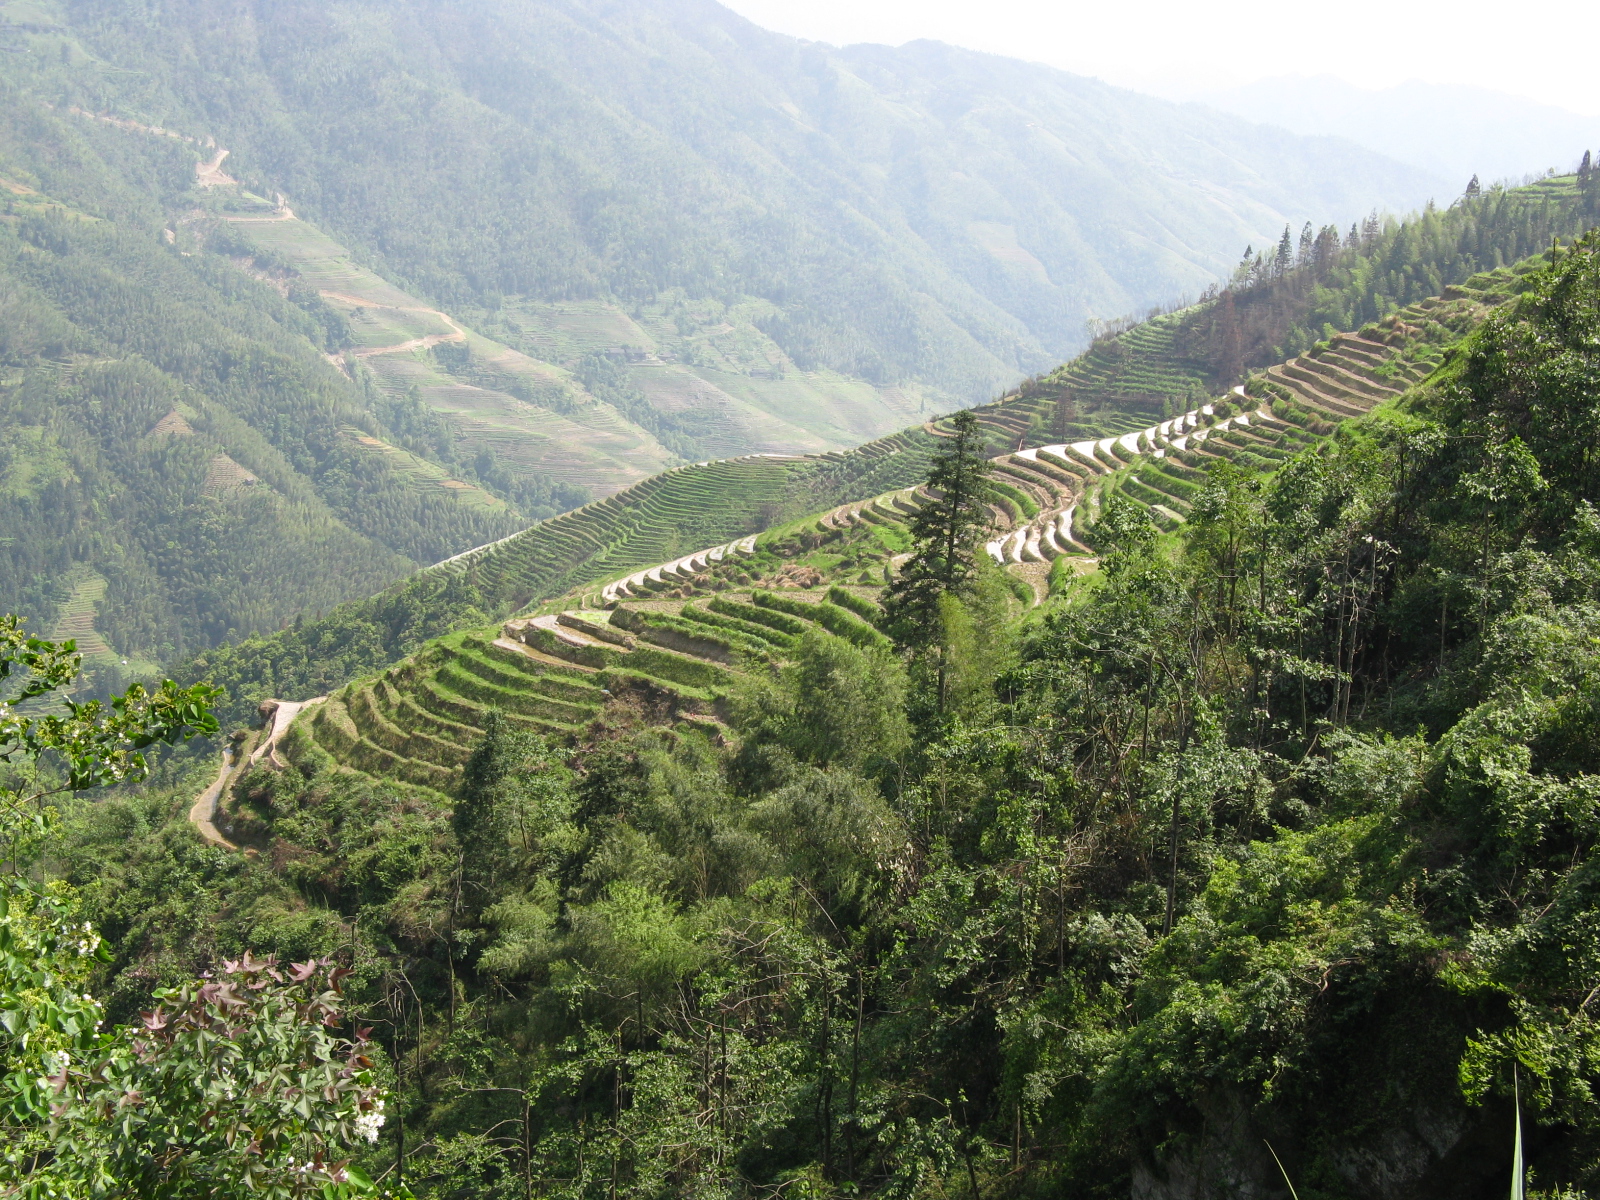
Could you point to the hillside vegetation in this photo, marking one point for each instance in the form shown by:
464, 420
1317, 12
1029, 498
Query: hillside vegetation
691, 626
1128, 381
176, 453
1272, 830
391, 414
915, 217
1291, 296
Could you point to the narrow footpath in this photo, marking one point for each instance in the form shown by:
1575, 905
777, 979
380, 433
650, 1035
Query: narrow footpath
204, 810
203, 813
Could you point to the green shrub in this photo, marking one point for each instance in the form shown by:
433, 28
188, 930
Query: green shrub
860, 605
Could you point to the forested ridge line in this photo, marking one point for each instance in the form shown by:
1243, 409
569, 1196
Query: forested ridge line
1287, 299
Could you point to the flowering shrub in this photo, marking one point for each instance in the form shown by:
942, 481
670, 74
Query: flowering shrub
234, 1083
237, 1083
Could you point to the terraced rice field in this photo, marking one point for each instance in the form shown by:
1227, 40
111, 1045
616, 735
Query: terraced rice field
711, 362
557, 675
77, 616
590, 445
566, 435
671, 514
423, 475
664, 596
224, 475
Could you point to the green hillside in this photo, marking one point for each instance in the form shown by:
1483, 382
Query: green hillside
923, 218
1127, 381
395, 412
1256, 854
245, 403
1285, 301
675, 637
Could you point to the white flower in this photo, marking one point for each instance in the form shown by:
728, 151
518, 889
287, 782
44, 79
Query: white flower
368, 1124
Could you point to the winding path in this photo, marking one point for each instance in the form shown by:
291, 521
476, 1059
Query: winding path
203, 812
427, 342
282, 717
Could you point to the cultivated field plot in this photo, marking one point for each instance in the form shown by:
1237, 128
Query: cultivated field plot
837, 410
378, 329
77, 616
550, 427
559, 674
424, 475
708, 359
565, 331
724, 425
324, 263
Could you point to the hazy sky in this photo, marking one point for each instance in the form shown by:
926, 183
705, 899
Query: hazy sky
1541, 49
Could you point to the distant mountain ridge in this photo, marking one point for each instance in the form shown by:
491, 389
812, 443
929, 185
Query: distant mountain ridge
922, 215
1453, 130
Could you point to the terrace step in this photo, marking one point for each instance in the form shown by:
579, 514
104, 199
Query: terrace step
1312, 397
1356, 384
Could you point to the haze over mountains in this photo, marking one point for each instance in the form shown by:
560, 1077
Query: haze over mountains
1454, 130
924, 213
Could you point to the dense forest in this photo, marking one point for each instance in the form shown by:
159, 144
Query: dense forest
1260, 858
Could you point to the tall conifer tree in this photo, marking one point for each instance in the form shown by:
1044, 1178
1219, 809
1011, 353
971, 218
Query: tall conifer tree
946, 535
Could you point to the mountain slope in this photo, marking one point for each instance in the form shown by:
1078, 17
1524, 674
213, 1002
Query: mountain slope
203, 393
655, 537
179, 462
1128, 381
1267, 855
683, 633
922, 215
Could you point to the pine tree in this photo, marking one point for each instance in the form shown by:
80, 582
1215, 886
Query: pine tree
945, 536
486, 812
1241, 273
1285, 256
1326, 249
1307, 241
